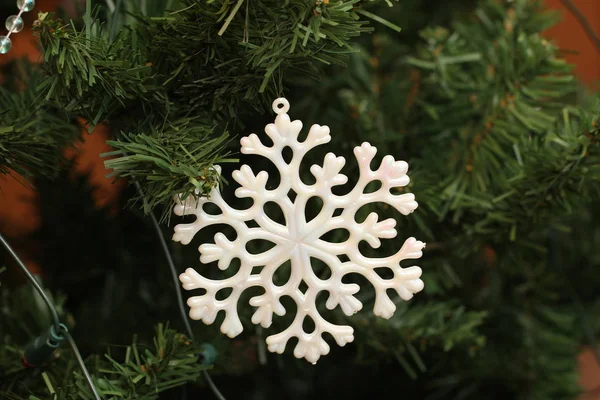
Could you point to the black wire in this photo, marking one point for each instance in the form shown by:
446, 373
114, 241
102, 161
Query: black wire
169, 258
583, 21
180, 303
59, 330
88, 377
212, 385
35, 284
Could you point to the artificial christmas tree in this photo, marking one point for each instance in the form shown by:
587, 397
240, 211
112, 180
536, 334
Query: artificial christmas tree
504, 160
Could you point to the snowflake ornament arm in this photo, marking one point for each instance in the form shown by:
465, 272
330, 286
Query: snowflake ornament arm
299, 240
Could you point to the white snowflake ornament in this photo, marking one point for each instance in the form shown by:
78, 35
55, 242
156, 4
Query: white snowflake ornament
299, 239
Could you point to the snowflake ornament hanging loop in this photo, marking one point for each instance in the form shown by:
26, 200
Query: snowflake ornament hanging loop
300, 240
281, 106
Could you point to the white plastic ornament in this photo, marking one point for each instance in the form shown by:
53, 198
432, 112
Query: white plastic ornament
299, 239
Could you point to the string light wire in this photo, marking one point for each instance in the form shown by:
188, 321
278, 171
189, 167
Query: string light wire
180, 303
66, 333
56, 321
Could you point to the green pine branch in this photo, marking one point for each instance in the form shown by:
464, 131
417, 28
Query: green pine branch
214, 63
177, 161
134, 371
90, 76
220, 59
33, 133
497, 109
433, 326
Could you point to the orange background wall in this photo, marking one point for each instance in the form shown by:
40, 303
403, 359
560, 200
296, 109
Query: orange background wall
18, 211
568, 34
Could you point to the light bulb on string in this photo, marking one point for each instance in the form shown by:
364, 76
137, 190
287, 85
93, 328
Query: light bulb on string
14, 23
25, 5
